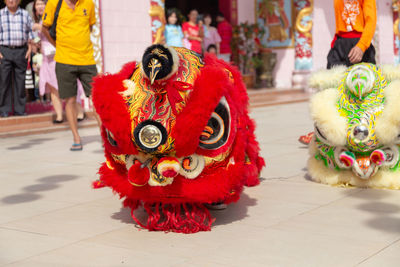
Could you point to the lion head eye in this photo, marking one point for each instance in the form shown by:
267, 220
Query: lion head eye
320, 134
110, 138
216, 132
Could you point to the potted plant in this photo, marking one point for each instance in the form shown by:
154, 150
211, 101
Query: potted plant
245, 43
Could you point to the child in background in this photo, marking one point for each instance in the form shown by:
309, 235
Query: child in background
212, 49
173, 31
211, 36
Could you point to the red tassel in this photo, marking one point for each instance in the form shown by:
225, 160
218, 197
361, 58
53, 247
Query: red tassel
173, 94
193, 218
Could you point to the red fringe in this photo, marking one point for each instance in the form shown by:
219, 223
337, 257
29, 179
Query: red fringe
194, 217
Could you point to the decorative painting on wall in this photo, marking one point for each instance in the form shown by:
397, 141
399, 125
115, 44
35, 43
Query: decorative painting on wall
277, 18
158, 21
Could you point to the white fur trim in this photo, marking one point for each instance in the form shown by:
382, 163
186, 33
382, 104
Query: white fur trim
175, 66
387, 127
324, 79
324, 112
391, 72
322, 174
130, 88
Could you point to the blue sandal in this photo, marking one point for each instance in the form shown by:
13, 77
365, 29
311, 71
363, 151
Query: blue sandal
76, 147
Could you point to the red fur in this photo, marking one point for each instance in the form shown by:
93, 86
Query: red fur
179, 206
113, 111
187, 130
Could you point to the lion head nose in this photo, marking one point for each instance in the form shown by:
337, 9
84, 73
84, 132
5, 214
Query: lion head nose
149, 135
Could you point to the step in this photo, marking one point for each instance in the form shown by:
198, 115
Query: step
43, 123
41, 127
271, 97
38, 123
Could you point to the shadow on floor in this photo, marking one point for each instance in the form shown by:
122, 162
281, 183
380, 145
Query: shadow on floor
30, 143
31, 193
383, 215
124, 216
98, 151
91, 139
234, 212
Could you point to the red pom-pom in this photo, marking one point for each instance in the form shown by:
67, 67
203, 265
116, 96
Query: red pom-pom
137, 175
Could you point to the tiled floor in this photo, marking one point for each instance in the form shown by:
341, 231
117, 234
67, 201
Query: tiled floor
49, 215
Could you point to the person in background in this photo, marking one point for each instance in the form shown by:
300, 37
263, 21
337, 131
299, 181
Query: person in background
74, 54
225, 32
15, 49
355, 28
47, 73
211, 36
47, 66
193, 31
173, 30
212, 49
29, 8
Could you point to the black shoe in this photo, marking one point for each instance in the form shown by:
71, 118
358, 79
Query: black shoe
57, 122
4, 114
20, 114
81, 119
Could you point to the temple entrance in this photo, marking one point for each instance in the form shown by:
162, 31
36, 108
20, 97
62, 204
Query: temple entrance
227, 7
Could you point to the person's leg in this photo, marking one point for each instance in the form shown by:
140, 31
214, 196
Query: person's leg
57, 104
5, 82
86, 75
20, 65
80, 92
334, 58
80, 115
369, 55
66, 79
70, 110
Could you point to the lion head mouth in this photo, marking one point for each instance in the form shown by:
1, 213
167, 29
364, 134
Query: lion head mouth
365, 165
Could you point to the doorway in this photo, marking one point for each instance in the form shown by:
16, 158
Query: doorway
227, 7
22, 5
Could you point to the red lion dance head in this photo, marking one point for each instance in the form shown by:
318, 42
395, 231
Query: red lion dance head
177, 135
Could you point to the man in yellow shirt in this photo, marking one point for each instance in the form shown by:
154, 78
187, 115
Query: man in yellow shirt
355, 28
74, 53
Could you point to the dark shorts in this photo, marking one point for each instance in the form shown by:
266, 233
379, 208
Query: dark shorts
67, 76
338, 55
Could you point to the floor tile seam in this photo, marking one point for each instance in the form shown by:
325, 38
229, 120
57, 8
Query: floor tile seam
56, 210
55, 201
283, 180
378, 252
306, 212
87, 240
42, 253
22, 231
64, 245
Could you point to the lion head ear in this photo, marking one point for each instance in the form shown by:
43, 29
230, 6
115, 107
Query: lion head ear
391, 72
325, 79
